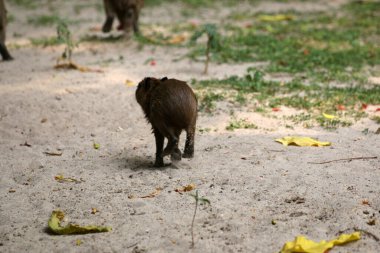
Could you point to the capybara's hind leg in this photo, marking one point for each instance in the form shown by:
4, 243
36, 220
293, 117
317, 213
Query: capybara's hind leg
176, 154
159, 146
189, 146
172, 146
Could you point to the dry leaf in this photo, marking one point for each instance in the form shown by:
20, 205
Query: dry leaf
60, 178
55, 226
94, 210
301, 141
341, 107
372, 222
96, 145
302, 244
275, 18
153, 194
26, 144
177, 39
129, 83
72, 65
78, 242
365, 202
53, 153
186, 188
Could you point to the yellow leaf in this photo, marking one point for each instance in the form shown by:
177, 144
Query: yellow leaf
176, 39
301, 141
72, 65
94, 210
186, 188
274, 18
96, 145
129, 83
60, 178
303, 245
328, 116
78, 242
55, 226
153, 194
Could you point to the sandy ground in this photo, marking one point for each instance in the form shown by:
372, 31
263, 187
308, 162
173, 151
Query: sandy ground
249, 178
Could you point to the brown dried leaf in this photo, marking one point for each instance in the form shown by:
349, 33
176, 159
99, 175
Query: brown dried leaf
186, 188
153, 194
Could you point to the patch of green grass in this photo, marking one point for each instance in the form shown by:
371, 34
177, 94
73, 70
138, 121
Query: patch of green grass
207, 100
188, 3
240, 124
98, 6
298, 118
260, 109
44, 20
45, 41
315, 99
10, 18
332, 123
240, 98
204, 130
321, 45
376, 119
25, 3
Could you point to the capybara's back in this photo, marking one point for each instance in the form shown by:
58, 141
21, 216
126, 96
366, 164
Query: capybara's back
173, 102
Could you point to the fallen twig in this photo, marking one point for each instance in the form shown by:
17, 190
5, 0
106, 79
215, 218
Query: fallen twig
26, 144
72, 65
345, 159
53, 153
376, 238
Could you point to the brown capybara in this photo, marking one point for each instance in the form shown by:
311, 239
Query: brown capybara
3, 23
127, 12
170, 106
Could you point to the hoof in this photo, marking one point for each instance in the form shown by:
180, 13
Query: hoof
159, 163
176, 156
185, 155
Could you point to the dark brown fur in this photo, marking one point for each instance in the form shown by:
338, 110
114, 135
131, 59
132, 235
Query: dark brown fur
127, 12
170, 106
3, 24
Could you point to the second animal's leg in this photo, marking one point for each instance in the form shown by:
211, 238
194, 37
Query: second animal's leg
159, 146
136, 22
189, 146
4, 52
110, 16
